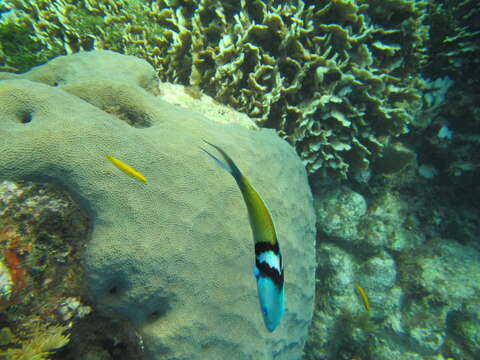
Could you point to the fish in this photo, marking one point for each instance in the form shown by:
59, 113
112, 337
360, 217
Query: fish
364, 297
127, 169
268, 271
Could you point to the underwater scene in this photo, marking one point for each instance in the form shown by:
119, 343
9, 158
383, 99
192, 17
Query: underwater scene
239, 179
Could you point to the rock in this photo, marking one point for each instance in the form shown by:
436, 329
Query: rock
339, 211
441, 301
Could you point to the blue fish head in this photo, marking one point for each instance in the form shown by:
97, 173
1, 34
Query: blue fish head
272, 301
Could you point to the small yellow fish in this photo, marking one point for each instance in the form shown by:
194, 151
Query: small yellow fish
364, 297
127, 169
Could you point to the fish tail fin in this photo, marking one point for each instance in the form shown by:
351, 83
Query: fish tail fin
228, 165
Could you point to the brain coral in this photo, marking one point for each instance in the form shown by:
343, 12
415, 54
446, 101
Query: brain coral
337, 78
173, 256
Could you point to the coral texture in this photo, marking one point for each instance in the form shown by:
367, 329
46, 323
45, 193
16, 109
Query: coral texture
174, 256
338, 79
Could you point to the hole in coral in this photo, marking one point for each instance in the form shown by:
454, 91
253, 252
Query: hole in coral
116, 287
25, 117
154, 315
113, 290
131, 117
331, 77
159, 312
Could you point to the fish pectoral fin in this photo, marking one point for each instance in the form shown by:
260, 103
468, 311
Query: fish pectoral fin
256, 272
218, 161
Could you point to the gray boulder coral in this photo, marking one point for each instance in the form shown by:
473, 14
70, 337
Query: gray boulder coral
174, 256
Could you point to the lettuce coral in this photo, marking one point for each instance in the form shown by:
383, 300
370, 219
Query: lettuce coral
335, 78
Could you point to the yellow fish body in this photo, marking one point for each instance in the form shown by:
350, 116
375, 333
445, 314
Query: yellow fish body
127, 169
364, 297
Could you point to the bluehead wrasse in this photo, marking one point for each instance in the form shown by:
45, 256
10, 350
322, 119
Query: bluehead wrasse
364, 297
127, 169
268, 258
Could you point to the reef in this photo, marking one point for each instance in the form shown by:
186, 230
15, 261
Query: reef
454, 48
41, 294
451, 139
416, 256
45, 311
339, 79
173, 258
383, 93
39, 228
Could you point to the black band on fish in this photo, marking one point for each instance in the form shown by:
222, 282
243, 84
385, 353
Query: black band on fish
263, 246
266, 270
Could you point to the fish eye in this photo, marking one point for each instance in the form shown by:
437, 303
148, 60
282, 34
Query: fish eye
264, 311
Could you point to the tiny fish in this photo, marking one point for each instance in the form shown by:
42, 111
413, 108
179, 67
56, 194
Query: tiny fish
127, 169
268, 259
364, 297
